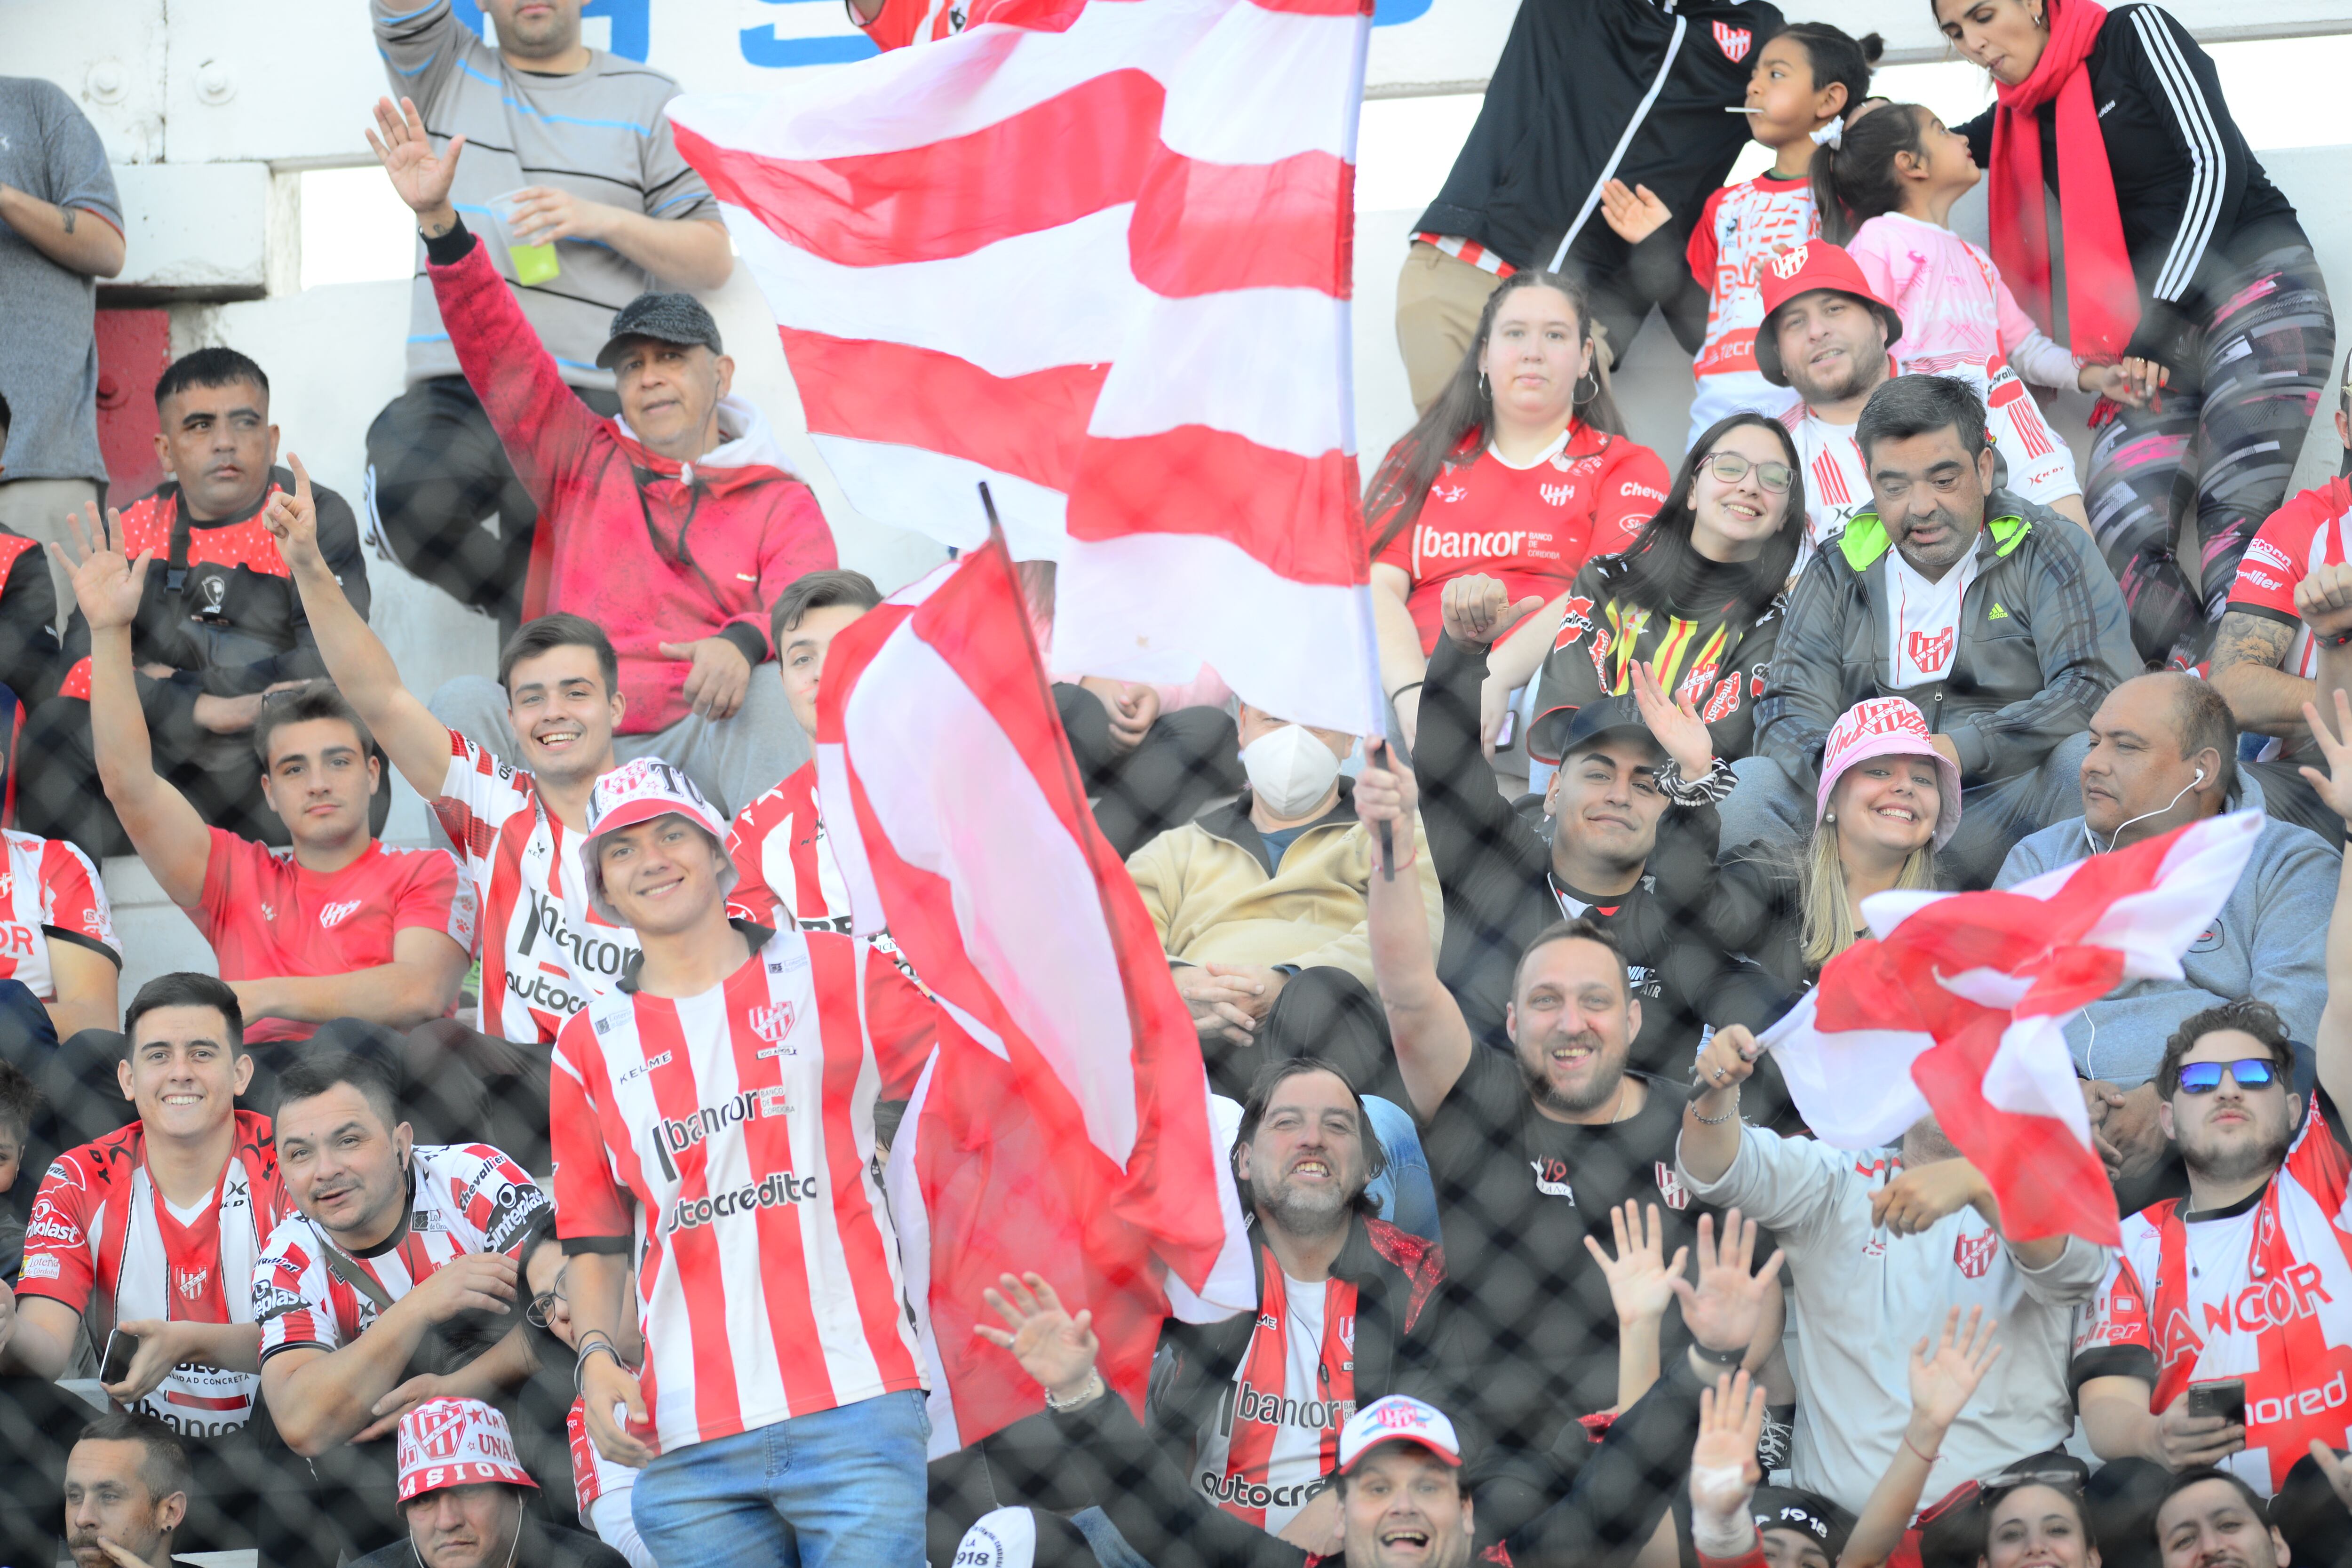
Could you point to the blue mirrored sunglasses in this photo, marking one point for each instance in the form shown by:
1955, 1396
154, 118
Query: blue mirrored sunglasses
2204, 1078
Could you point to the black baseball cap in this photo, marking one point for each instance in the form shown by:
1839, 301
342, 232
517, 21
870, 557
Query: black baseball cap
1808, 1514
1560, 733
666, 317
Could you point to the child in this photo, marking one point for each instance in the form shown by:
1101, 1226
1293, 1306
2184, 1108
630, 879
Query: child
1885, 187
20, 1106
1805, 78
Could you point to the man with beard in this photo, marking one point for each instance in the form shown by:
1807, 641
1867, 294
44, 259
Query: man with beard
1529, 1150
1995, 617
1258, 1400
1826, 337
2246, 1278
127, 1483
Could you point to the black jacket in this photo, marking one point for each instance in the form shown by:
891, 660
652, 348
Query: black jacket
1573, 75
1621, 1489
1495, 867
2197, 208
539, 1546
29, 665
228, 630
1395, 1274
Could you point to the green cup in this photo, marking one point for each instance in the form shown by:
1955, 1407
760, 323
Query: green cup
533, 264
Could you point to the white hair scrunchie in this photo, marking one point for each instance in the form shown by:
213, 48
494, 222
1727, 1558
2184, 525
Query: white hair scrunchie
1832, 135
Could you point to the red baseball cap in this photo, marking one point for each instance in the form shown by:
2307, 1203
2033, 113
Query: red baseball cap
1814, 264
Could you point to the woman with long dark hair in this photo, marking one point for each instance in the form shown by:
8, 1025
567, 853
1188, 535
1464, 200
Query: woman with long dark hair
1520, 470
2179, 260
1695, 599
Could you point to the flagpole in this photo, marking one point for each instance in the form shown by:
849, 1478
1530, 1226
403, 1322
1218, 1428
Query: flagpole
1380, 717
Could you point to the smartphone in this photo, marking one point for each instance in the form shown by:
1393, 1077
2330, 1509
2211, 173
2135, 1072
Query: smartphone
115, 1364
1504, 736
2225, 1397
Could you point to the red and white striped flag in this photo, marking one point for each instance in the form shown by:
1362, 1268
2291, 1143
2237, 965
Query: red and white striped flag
1956, 1008
1105, 269
1063, 1123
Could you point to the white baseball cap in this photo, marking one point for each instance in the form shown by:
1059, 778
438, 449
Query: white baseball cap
457, 1443
639, 791
1398, 1418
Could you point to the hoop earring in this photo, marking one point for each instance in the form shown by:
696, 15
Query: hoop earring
1579, 394
1483, 390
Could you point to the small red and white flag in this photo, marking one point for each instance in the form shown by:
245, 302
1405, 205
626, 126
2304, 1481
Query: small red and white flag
1956, 1007
1063, 1121
1102, 264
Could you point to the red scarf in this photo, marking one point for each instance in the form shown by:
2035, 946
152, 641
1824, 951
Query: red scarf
2102, 295
1265, 1372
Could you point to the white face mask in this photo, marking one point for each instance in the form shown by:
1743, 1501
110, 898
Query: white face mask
1290, 770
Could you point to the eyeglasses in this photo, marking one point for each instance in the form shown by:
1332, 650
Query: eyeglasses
544, 1303
2204, 1078
1731, 468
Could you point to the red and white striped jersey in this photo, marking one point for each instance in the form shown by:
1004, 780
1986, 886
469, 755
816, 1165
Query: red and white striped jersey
1837, 483
102, 1241
785, 869
2296, 540
1741, 228
544, 951
1468, 251
2261, 1291
1275, 1434
464, 1198
728, 1140
49, 891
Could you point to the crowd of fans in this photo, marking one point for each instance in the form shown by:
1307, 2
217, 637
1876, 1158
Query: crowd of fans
517, 1199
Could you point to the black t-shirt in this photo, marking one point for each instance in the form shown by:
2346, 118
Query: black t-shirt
1533, 1343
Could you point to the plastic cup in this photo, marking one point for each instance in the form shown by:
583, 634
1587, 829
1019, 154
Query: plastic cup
533, 264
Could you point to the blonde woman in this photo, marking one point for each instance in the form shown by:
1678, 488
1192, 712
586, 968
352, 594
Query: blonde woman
1888, 800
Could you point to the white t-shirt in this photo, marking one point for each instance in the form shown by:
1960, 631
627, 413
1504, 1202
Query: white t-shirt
1859, 1298
1924, 620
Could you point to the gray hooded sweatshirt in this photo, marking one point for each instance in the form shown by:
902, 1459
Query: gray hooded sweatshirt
2270, 943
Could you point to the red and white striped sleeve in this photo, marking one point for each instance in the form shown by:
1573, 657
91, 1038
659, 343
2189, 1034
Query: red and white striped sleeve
60, 1261
591, 1207
73, 899
478, 794
292, 1299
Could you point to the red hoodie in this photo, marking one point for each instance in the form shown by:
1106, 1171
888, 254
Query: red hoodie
684, 554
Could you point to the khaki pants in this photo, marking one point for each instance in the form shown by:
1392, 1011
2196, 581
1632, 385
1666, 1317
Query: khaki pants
37, 508
1439, 297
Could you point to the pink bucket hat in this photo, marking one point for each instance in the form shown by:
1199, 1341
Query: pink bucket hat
1889, 726
457, 1443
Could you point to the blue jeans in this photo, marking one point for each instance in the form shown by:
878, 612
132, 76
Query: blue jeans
1408, 1197
841, 1489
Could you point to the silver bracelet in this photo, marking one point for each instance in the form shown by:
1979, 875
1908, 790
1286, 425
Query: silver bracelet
1094, 1389
1704, 1119
580, 1367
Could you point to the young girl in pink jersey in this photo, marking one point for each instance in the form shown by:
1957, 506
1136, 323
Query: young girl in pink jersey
1885, 187
1806, 78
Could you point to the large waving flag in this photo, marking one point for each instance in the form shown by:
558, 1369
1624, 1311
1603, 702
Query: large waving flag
1956, 1006
1105, 269
1063, 1123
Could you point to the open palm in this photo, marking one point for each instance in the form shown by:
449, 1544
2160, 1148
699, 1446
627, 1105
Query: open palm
421, 175
107, 585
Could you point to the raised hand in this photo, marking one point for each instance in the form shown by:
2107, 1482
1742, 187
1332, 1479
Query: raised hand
1386, 792
421, 175
2335, 786
1477, 611
293, 520
1724, 1472
1640, 1277
1942, 1382
1675, 723
1725, 1308
1052, 1346
1635, 213
107, 587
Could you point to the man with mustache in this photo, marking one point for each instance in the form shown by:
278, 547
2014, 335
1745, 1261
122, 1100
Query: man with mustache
1530, 1150
127, 1484
1995, 617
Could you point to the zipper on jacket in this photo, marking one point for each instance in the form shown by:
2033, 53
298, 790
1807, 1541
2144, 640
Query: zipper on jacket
1633, 129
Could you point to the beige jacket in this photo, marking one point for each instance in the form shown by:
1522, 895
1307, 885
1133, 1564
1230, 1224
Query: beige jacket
1213, 902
